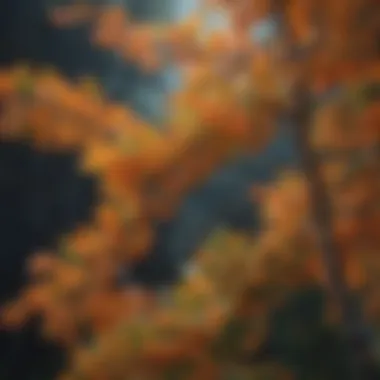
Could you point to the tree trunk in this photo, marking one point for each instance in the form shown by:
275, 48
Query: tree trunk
357, 339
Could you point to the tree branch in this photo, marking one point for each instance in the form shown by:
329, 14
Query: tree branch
358, 345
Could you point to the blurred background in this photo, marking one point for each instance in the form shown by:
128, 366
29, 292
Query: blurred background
43, 195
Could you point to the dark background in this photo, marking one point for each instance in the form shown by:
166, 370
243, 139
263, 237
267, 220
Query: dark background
43, 195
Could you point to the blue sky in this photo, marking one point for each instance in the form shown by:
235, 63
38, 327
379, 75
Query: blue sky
221, 200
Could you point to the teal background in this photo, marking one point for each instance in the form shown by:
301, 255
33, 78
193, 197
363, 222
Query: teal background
42, 196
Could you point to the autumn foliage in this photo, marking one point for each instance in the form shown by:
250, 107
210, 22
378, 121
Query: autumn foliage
238, 82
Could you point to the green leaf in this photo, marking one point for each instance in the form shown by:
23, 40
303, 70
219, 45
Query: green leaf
231, 338
136, 336
180, 371
25, 85
370, 92
69, 254
217, 240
